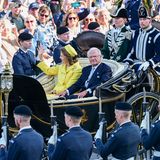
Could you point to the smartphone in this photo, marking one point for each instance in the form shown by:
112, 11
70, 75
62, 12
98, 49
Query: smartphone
75, 4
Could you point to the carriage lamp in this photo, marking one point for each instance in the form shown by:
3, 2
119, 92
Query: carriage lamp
6, 85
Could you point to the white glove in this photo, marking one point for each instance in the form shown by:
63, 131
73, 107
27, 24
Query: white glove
3, 137
53, 138
99, 132
144, 123
144, 66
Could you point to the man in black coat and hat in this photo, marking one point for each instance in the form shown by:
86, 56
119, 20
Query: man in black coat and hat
118, 39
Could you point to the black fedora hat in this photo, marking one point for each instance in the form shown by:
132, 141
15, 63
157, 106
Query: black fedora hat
120, 13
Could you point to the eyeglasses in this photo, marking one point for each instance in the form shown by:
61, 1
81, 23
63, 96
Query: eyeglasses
43, 15
17, 5
70, 18
94, 56
88, 19
31, 21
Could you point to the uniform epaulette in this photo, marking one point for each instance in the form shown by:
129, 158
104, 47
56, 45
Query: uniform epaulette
157, 121
153, 125
66, 133
20, 133
117, 130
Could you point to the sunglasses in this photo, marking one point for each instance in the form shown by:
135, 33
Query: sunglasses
17, 5
29, 21
74, 18
89, 19
43, 15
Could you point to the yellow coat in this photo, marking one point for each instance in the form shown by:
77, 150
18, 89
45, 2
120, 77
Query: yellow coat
66, 75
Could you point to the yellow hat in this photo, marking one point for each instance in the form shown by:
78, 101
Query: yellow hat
71, 51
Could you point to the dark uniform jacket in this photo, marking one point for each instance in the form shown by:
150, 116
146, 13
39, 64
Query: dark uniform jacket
145, 47
116, 47
122, 144
132, 7
24, 63
27, 145
76, 144
153, 139
101, 74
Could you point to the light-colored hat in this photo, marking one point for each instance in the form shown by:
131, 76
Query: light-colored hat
71, 51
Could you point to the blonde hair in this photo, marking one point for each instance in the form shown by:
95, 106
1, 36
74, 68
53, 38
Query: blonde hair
104, 10
7, 24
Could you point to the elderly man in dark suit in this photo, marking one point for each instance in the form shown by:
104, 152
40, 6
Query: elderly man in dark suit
92, 76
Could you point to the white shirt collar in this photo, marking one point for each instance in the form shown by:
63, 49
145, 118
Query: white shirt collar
74, 126
27, 127
24, 50
95, 67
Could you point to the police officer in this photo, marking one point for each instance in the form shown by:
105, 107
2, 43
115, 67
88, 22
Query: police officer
153, 138
145, 45
27, 144
123, 142
24, 61
76, 144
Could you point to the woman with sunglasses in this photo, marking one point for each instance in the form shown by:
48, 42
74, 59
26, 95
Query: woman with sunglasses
90, 18
72, 22
68, 72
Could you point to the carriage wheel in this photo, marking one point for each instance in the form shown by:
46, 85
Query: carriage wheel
137, 106
137, 112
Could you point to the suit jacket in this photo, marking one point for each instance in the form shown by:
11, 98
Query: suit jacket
27, 145
76, 144
101, 74
122, 143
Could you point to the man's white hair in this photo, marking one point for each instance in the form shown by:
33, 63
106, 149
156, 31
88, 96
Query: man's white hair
92, 50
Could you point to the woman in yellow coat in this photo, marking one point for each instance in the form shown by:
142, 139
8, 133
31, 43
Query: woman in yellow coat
68, 72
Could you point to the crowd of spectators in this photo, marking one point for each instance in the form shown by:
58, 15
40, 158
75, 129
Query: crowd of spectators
54, 24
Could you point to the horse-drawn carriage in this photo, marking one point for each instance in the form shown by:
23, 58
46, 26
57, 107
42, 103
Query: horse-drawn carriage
125, 85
